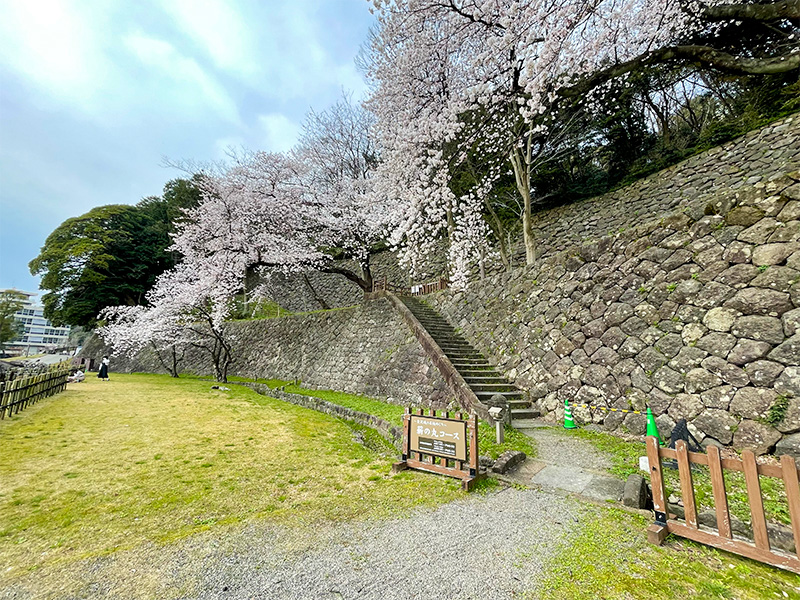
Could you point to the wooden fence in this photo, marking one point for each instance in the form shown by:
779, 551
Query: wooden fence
419, 289
20, 393
757, 549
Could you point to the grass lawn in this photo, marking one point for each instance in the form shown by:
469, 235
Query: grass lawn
111, 465
610, 559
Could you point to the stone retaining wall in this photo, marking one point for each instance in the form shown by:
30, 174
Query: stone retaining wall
695, 314
364, 349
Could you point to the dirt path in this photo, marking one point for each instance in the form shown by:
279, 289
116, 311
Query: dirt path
487, 546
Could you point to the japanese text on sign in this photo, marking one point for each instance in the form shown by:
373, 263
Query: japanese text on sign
440, 437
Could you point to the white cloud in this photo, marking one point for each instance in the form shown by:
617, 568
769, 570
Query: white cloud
280, 132
55, 45
219, 30
193, 86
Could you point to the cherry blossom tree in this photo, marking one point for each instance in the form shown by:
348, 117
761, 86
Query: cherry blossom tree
454, 78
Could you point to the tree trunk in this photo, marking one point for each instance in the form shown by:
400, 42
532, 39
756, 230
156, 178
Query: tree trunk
522, 177
317, 297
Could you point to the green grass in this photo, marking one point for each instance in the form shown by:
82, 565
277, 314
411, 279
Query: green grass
514, 440
147, 458
609, 558
625, 455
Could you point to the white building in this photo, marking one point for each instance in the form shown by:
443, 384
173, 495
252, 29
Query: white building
39, 335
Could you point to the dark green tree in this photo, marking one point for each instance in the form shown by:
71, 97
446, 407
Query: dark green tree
10, 328
109, 256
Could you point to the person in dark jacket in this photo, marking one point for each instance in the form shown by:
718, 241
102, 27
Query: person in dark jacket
103, 374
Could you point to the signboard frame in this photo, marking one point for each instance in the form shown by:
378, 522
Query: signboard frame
426, 457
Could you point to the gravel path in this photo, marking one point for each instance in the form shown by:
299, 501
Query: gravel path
556, 446
489, 546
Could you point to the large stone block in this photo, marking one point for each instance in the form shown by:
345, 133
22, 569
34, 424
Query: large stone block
760, 328
755, 436
752, 403
718, 424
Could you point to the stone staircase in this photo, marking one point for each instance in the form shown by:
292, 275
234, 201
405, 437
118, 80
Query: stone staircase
481, 377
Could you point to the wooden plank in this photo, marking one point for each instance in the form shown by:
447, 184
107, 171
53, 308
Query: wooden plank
757, 519
732, 464
657, 480
473, 444
424, 466
720, 496
687, 485
405, 449
775, 558
790, 482
657, 533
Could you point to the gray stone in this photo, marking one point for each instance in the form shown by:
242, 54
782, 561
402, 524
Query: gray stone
631, 347
717, 343
720, 319
790, 212
668, 381
665, 424
738, 252
595, 329
686, 406
760, 232
759, 301
746, 351
718, 424
636, 424
788, 352
634, 326
718, 397
755, 436
669, 345
713, 294
738, 276
614, 337
640, 380
508, 460
791, 322
780, 279
760, 328
788, 232
790, 445
636, 492
699, 380
605, 356
686, 291
790, 422
618, 313
729, 373
752, 402
693, 332
772, 254
744, 215
651, 359
687, 359
788, 383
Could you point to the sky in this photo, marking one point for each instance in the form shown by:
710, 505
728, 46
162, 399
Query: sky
96, 94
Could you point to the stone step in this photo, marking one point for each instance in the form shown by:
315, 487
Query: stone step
524, 414
479, 379
496, 387
519, 404
460, 363
483, 396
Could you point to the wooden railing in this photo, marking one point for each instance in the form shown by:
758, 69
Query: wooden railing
759, 548
419, 289
18, 394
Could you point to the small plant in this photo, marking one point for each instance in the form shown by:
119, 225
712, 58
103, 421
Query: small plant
642, 290
762, 268
671, 287
777, 411
695, 275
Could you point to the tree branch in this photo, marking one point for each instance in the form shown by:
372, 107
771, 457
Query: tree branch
788, 9
703, 56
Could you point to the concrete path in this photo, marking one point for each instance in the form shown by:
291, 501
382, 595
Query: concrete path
566, 463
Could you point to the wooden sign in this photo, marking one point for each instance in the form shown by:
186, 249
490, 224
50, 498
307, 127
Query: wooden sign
439, 436
439, 444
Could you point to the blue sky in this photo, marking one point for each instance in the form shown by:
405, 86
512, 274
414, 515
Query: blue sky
94, 94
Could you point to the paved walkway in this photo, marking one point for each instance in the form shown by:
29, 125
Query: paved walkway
566, 463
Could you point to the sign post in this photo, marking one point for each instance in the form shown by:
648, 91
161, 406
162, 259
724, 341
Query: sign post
440, 444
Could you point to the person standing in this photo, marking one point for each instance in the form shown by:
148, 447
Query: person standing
103, 374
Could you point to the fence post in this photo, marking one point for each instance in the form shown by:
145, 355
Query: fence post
2, 400
658, 530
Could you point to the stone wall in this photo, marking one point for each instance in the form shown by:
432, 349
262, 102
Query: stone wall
691, 304
364, 349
